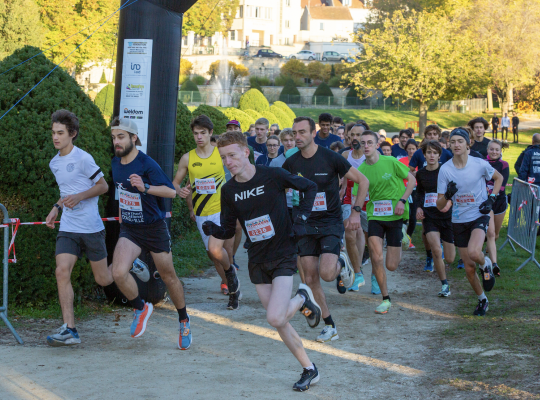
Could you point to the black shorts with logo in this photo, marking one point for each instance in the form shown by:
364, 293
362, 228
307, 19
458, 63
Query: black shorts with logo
392, 229
500, 205
462, 232
264, 273
443, 226
321, 240
152, 237
93, 244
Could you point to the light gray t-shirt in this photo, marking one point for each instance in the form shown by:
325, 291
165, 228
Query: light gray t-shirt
278, 161
471, 184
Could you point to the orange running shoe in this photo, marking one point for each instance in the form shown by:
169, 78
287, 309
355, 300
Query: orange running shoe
140, 318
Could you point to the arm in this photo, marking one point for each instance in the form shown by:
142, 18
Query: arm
497, 182
363, 187
505, 174
180, 175
411, 182
159, 191
189, 202
228, 218
443, 205
53, 214
99, 188
524, 168
421, 195
307, 187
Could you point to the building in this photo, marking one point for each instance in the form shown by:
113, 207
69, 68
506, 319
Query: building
326, 24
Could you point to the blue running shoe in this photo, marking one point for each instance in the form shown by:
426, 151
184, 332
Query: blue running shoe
429, 265
374, 285
184, 340
358, 281
460, 264
63, 337
140, 318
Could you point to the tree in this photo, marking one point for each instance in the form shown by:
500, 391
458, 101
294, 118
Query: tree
186, 67
218, 118
19, 25
206, 17
103, 78
105, 100
237, 69
424, 57
294, 68
290, 93
318, 71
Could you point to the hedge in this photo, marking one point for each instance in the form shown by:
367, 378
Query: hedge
255, 85
285, 108
218, 118
239, 115
105, 100
322, 93
271, 118
352, 96
289, 92
254, 100
193, 96
184, 136
284, 120
253, 114
28, 188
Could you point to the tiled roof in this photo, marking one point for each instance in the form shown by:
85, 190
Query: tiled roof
333, 13
354, 3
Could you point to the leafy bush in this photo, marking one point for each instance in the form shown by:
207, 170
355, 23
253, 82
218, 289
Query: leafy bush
103, 78
198, 80
284, 120
238, 69
192, 92
285, 108
186, 67
294, 68
322, 93
253, 114
105, 100
525, 107
218, 118
271, 118
289, 93
254, 100
352, 97
28, 188
245, 119
281, 80
255, 85
189, 86
261, 80
182, 79
335, 81
318, 71
184, 136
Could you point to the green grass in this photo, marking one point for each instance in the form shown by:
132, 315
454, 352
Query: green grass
189, 254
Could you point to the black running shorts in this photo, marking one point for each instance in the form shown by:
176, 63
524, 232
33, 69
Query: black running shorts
93, 244
321, 240
264, 273
392, 229
462, 232
500, 205
152, 237
443, 226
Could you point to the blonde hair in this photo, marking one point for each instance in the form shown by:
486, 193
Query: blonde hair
234, 137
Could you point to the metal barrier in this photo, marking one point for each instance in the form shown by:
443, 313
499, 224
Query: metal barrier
523, 219
4, 308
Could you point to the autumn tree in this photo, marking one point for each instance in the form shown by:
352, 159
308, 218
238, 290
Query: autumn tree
19, 25
294, 68
206, 17
238, 70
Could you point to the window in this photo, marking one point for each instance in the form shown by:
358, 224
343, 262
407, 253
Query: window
241, 11
288, 3
322, 27
287, 41
233, 35
257, 12
346, 2
287, 24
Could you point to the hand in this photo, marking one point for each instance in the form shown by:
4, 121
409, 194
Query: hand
420, 213
192, 216
137, 182
451, 190
51, 218
299, 229
185, 191
209, 228
486, 206
400, 208
353, 222
72, 200
447, 207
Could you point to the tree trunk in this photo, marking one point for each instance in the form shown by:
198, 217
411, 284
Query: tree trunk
422, 119
510, 97
489, 100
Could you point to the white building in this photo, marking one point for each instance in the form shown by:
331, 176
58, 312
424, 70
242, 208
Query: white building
326, 24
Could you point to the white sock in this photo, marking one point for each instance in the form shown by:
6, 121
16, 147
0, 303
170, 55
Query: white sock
311, 367
482, 297
303, 297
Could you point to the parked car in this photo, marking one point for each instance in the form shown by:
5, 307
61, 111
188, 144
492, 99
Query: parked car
333, 56
268, 53
304, 55
353, 59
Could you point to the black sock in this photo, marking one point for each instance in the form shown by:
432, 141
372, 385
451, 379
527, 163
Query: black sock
111, 287
444, 281
137, 303
230, 270
386, 298
182, 314
429, 254
328, 321
74, 330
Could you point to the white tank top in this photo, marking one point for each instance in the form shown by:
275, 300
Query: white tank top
355, 162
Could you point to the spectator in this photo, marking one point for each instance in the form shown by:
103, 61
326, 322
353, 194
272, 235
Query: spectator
398, 150
505, 124
530, 167
494, 125
386, 148
515, 123
337, 146
324, 138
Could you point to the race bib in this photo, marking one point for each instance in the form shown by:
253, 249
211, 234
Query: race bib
382, 208
205, 186
78, 207
430, 200
260, 228
129, 201
320, 202
465, 199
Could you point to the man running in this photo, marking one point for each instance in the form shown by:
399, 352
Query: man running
386, 209
206, 178
141, 186
324, 137
233, 125
320, 249
256, 197
398, 149
80, 182
463, 180
479, 126
437, 224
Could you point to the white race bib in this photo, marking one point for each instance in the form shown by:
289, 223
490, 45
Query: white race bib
367, 197
320, 202
465, 199
129, 201
383, 208
205, 186
431, 200
78, 207
260, 228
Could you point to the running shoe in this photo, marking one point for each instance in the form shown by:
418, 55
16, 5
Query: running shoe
406, 240
64, 336
235, 264
429, 265
347, 273
184, 340
309, 376
411, 245
310, 309
374, 285
224, 289
140, 269
365, 256
358, 281
445, 291
140, 318
460, 264
384, 307
481, 308
232, 281
496, 270
234, 299
488, 279
328, 334
339, 280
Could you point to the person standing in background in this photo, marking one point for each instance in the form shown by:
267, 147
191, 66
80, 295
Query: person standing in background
494, 125
505, 124
515, 123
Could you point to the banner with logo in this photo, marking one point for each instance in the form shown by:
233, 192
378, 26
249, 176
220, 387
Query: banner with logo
135, 94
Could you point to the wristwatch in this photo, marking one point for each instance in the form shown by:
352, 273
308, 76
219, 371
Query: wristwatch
302, 217
57, 206
146, 188
357, 208
403, 201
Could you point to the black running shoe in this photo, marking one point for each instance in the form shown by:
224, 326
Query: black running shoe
308, 377
496, 270
339, 282
310, 309
234, 300
481, 308
233, 284
488, 279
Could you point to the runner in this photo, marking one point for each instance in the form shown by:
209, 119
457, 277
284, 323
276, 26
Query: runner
206, 177
386, 148
515, 127
273, 129
337, 122
386, 209
272, 144
80, 182
479, 126
501, 203
233, 125
462, 180
398, 149
258, 142
141, 185
324, 138
437, 224
494, 125
256, 197
411, 147
320, 249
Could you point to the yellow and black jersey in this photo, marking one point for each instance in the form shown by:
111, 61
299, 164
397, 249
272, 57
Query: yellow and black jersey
206, 176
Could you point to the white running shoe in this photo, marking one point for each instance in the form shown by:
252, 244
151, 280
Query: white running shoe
328, 334
347, 272
140, 269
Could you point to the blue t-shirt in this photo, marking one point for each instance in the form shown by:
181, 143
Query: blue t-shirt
418, 159
328, 141
260, 148
136, 207
398, 152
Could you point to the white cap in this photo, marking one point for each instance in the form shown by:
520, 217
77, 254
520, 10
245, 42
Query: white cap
129, 126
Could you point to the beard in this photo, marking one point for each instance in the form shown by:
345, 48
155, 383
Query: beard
124, 152
355, 145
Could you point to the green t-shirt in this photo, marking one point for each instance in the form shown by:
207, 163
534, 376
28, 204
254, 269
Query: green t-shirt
385, 186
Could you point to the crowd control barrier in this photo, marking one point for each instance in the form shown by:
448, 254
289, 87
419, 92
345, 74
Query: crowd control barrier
523, 220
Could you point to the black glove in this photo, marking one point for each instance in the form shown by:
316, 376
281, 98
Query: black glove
486, 206
209, 228
451, 190
299, 229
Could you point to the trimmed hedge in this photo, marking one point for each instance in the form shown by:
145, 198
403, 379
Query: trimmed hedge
28, 188
194, 96
253, 114
285, 108
218, 118
271, 118
284, 120
253, 100
105, 100
289, 93
184, 136
189, 86
352, 96
239, 115
322, 93
255, 85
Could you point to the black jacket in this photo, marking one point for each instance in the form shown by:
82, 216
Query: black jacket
517, 165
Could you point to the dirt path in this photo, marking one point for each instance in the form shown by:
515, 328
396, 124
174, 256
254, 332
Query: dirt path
236, 354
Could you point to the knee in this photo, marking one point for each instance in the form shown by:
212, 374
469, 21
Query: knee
449, 258
118, 275
311, 279
276, 321
327, 275
436, 251
376, 258
475, 255
62, 273
214, 250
